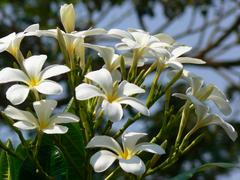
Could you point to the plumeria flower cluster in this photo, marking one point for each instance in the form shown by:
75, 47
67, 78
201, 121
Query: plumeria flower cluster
108, 90
199, 94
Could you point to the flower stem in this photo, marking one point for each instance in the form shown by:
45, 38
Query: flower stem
107, 127
113, 175
38, 143
9, 151
126, 125
183, 121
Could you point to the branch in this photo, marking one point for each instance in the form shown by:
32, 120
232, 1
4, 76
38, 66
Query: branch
220, 39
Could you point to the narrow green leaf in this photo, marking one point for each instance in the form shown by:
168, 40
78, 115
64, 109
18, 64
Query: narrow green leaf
190, 174
5, 173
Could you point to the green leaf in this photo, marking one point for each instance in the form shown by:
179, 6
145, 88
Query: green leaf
5, 173
189, 174
52, 161
73, 148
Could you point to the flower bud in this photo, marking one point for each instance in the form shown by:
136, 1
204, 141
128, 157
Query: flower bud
68, 17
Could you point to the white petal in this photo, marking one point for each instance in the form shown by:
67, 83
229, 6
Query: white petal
141, 37
149, 147
134, 165
56, 129
128, 89
86, 91
196, 84
64, 118
24, 125
3, 47
180, 95
103, 78
175, 64
165, 38
102, 160
221, 101
128, 61
130, 139
113, 111
122, 46
105, 142
11, 75
32, 28
34, 64
130, 43
91, 32
68, 17
49, 87
200, 108
118, 33
222, 104
17, 94
7, 39
116, 75
136, 104
44, 108
215, 119
49, 32
54, 70
178, 51
190, 60
18, 114
105, 52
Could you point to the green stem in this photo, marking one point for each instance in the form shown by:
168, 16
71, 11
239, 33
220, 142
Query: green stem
193, 143
37, 98
98, 121
183, 121
84, 120
126, 125
154, 86
38, 144
187, 137
10, 151
107, 127
113, 175
133, 69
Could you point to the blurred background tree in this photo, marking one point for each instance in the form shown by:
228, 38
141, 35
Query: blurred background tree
211, 27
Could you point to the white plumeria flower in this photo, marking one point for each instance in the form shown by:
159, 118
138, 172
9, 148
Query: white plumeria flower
126, 154
111, 60
197, 94
113, 94
68, 17
175, 61
43, 121
11, 42
32, 78
214, 119
73, 40
202, 92
146, 44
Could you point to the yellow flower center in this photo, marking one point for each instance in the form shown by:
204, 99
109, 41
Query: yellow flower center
111, 98
33, 82
42, 124
127, 154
